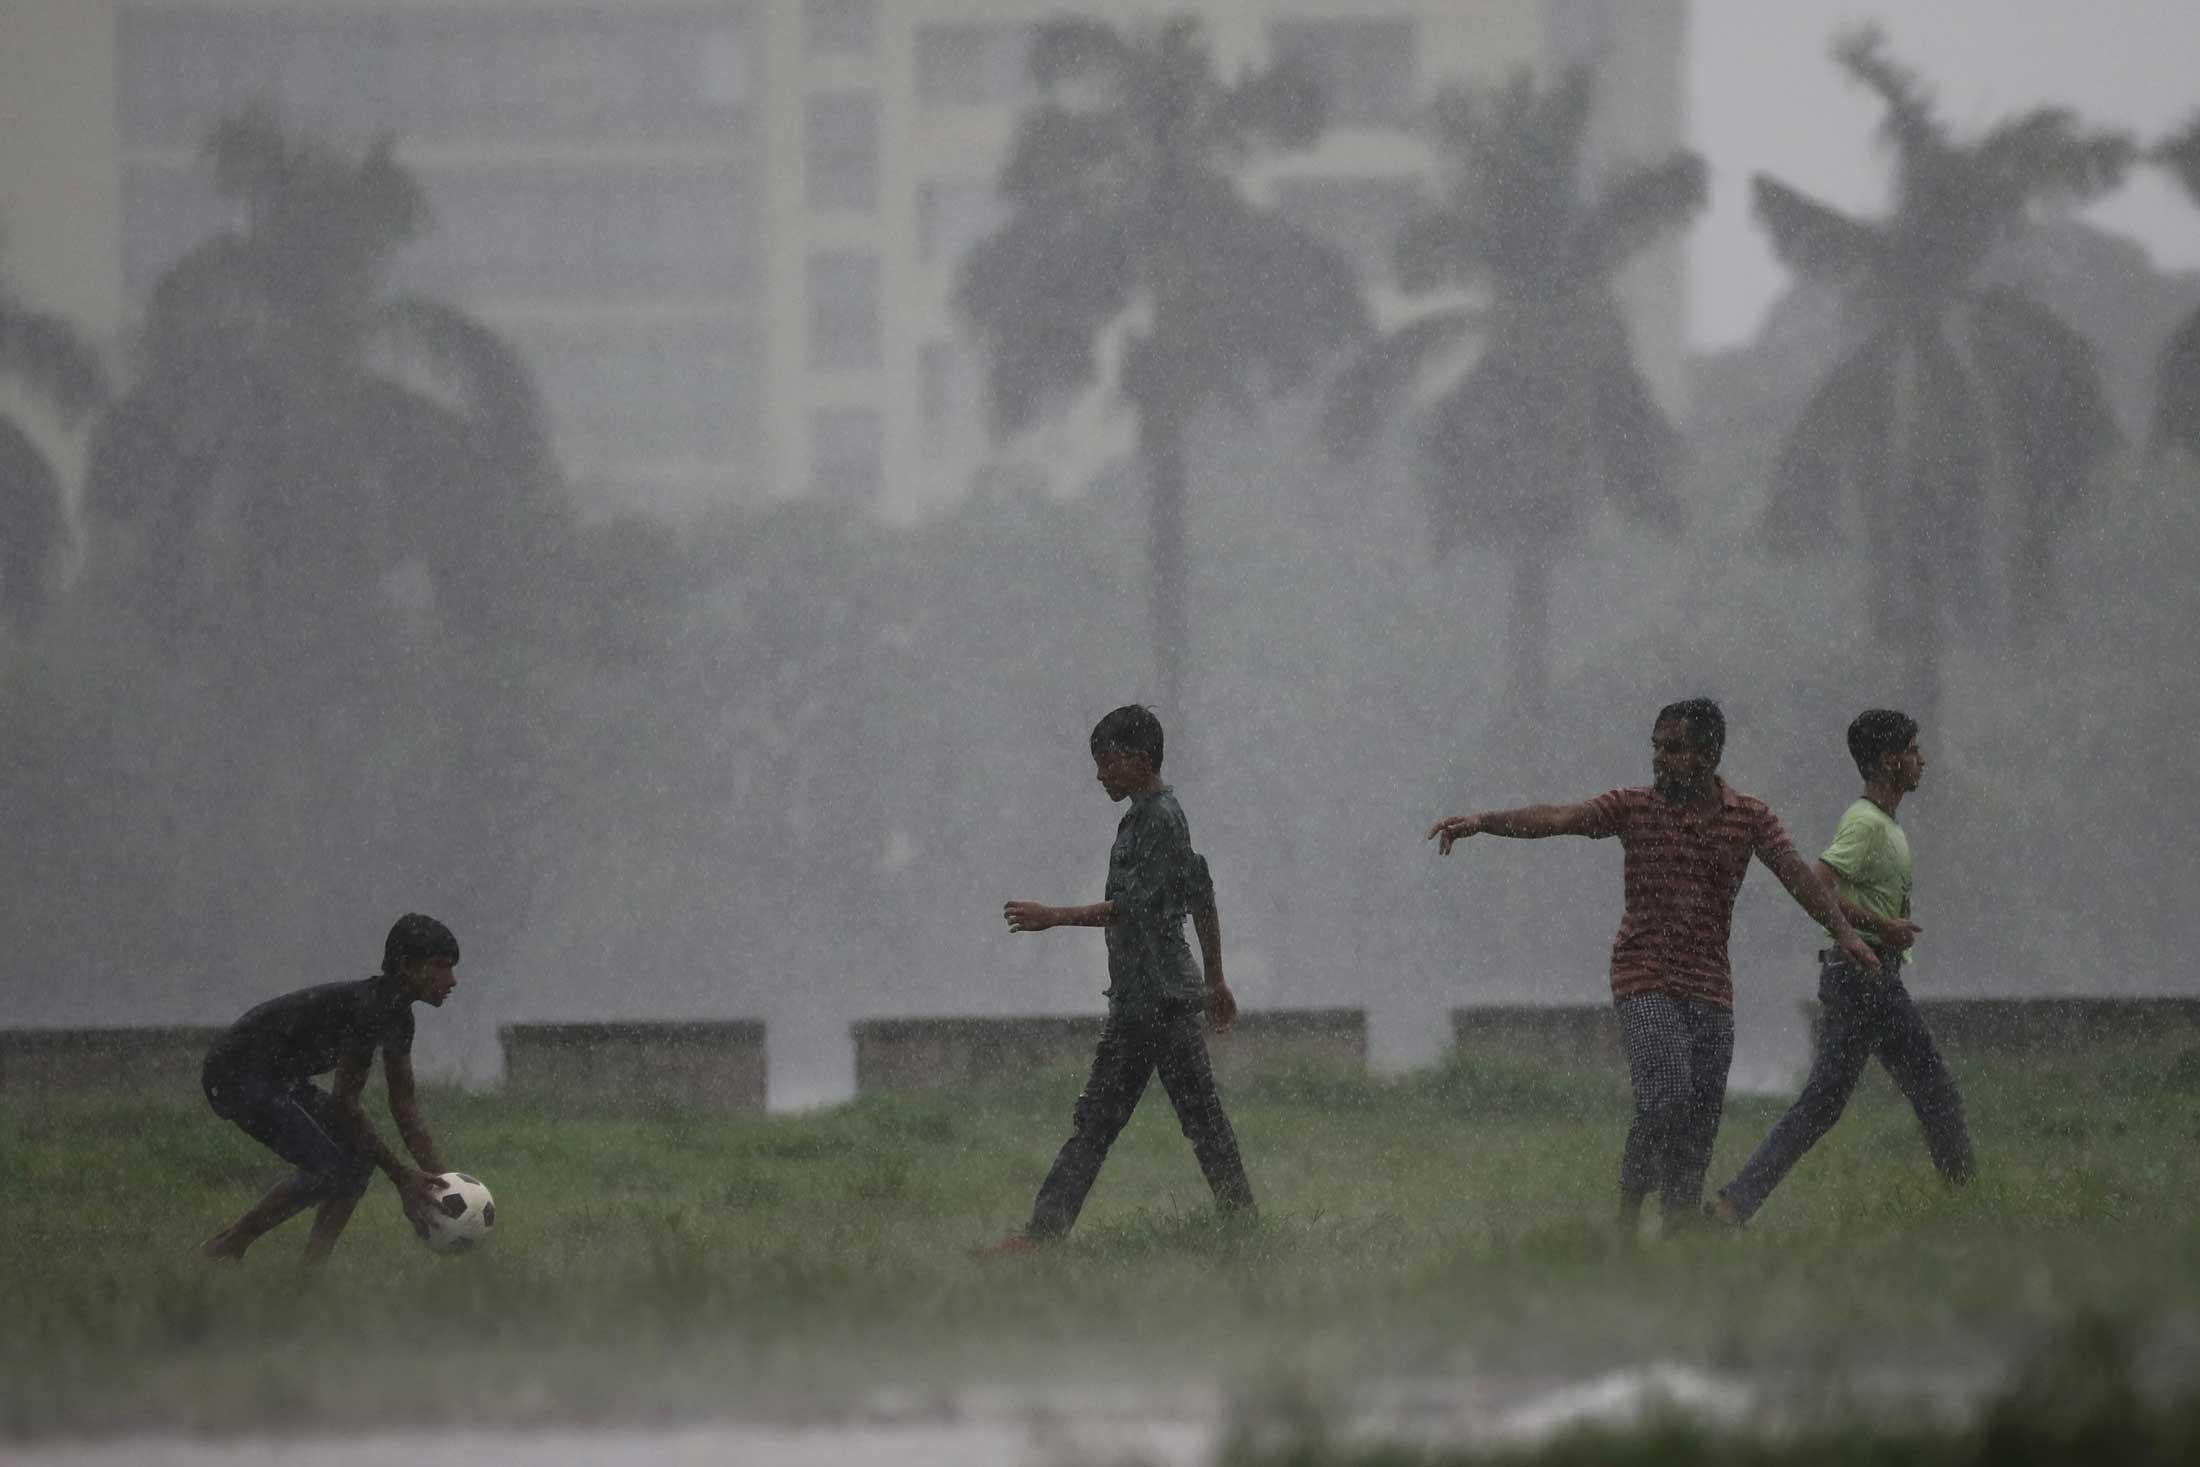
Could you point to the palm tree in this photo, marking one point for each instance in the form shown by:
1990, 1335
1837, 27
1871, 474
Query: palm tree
301, 440
1949, 389
2177, 403
298, 429
1552, 410
48, 357
1123, 214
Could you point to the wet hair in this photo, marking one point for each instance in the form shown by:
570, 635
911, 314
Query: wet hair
416, 936
1706, 724
1131, 729
1877, 732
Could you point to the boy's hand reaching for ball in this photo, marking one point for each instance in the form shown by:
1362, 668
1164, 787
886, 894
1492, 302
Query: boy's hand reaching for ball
416, 1195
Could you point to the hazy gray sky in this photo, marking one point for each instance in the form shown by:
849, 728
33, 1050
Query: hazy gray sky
1764, 97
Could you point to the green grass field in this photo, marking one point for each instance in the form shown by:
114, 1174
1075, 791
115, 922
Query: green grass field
1452, 1226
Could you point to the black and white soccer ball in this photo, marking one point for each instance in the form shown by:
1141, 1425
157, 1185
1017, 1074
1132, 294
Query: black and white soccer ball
460, 1216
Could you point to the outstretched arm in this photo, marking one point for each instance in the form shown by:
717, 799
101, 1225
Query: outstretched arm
1038, 916
1529, 822
1818, 900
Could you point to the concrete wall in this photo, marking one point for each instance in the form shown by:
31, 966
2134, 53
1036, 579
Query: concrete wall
136, 1061
709, 1065
898, 1056
1588, 1034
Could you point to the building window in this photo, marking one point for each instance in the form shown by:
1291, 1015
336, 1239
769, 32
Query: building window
722, 68
1365, 66
146, 64
840, 27
1359, 217
360, 100
627, 392
840, 154
605, 231
953, 214
844, 311
973, 64
179, 73
936, 396
847, 454
498, 71
167, 212
1580, 32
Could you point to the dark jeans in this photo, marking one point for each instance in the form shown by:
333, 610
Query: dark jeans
1678, 1052
1863, 1015
1131, 1049
297, 1121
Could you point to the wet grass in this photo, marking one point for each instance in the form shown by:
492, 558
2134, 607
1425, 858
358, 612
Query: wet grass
1449, 1226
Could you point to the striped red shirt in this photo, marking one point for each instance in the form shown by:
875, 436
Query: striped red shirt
1684, 867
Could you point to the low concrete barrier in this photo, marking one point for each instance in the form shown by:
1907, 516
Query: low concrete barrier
151, 1060
1585, 1034
710, 1065
899, 1056
2011, 1026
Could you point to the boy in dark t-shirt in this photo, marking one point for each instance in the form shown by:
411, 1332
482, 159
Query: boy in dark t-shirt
1156, 993
1686, 841
259, 1076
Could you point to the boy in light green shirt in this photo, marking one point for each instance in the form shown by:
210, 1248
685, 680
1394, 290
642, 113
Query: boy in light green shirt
1868, 869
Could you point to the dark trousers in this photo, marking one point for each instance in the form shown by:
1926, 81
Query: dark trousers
1863, 1016
1678, 1052
296, 1120
1131, 1049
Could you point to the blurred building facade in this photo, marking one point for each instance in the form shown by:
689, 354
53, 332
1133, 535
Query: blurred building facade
725, 232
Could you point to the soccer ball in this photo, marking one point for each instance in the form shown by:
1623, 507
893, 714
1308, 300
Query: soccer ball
460, 1217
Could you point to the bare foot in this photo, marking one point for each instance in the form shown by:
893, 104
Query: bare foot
218, 1249
1015, 1245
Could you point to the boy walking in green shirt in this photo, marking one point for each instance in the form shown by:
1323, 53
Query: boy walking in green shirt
1868, 869
1156, 994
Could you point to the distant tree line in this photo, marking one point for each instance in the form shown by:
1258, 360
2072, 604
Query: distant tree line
1954, 397
335, 626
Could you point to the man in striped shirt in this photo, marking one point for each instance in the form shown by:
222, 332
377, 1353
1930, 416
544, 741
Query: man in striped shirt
1686, 841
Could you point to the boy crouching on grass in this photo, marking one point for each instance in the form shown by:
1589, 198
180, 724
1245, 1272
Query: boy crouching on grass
1155, 993
259, 1076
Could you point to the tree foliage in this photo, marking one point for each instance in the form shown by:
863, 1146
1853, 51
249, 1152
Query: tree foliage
1957, 401
59, 369
1539, 406
325, 513
298, 428
2177, 400
1127, 234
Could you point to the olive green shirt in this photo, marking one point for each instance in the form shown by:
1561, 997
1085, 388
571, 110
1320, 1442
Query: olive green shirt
1155, 878
1870, 857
